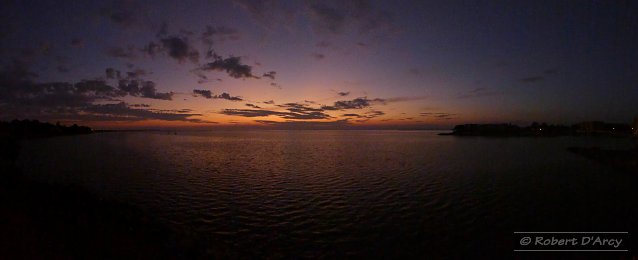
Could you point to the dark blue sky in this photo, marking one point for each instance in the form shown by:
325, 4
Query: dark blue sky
335, 63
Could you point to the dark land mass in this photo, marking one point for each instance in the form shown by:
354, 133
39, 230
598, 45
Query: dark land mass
126, 130
624, 160
543, 130
35, 129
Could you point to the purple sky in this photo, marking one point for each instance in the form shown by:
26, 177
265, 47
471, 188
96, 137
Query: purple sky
315, 64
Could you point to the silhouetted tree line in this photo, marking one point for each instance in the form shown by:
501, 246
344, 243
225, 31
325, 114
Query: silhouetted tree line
34, 128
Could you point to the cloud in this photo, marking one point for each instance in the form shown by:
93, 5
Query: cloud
204, 93
438, 115
228, 97
123, 112
318, 56
532, 79
366, 116
231, 65
249, 112
294, 111
110, 112
269, 102
252, 105
270, 75
364, 102
209, 95
344, 93
180, 49
273, 84
87, 100
299, 108
399, 99
337, 124
112, 73
357, 103
20, 96
136, 74
142, 88
374, 113
148, 91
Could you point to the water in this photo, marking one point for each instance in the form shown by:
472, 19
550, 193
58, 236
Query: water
348, 193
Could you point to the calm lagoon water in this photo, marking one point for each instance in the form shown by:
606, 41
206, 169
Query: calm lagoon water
348, 193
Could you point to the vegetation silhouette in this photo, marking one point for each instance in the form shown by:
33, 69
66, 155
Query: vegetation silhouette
593, 128
34, 129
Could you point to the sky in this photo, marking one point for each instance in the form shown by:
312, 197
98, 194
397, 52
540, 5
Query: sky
318, 64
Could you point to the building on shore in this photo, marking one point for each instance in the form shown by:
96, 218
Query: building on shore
602, 128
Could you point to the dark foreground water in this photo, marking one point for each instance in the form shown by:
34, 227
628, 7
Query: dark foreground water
348, 193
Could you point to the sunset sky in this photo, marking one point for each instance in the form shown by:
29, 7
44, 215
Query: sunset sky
318, 64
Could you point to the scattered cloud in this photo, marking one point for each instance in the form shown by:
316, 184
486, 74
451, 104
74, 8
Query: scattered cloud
148, 91
438, 115
273, 84
343, 93
400, 99
294, 111
204, 93
318, 56
231, 65
135, 74
253, 106
365, 116
179, 48
21, 96
270, 74
124, 112
357, 103
228, 97
337, 124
